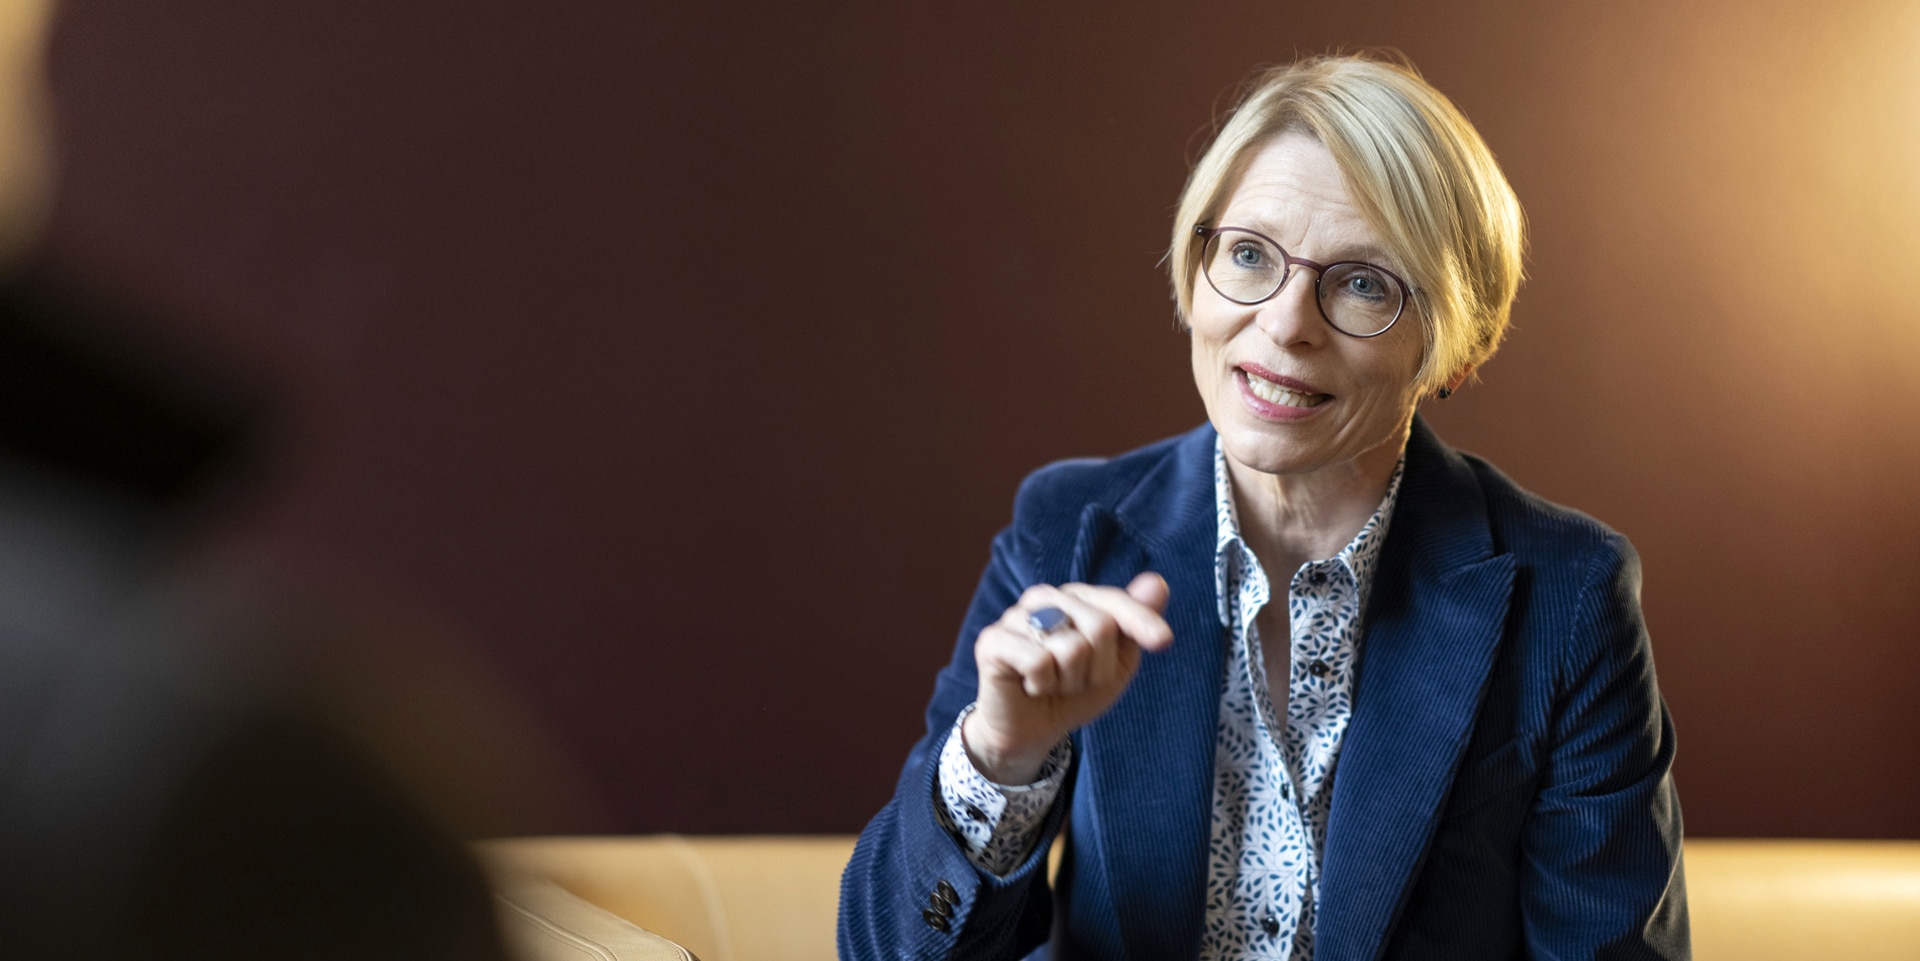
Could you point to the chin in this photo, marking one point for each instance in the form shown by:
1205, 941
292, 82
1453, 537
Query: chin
1266, 453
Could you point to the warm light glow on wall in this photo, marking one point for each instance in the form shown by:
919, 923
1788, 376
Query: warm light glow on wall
23, 159
1751, 185
1802, 161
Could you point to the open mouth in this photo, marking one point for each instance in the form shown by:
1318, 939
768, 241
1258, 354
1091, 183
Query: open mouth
1273, 393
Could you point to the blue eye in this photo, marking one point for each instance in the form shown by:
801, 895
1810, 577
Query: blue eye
1249, 255
1361, 283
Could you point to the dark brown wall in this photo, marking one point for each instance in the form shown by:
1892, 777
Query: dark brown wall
684, 357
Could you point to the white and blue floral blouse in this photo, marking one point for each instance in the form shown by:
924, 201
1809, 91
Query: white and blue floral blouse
1272, 783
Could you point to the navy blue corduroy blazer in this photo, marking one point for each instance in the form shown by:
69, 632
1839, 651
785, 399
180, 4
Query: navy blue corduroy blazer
1502, 791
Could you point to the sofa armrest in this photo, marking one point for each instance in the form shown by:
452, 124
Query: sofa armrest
736, 898
542, 921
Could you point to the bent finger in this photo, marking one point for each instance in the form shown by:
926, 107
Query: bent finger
1074, 659
1141, 624
1014, 655
1150, 589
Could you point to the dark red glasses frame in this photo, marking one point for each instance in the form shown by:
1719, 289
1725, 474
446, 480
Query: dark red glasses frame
1206, 234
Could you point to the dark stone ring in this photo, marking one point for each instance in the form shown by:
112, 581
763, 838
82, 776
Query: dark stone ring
1048, 620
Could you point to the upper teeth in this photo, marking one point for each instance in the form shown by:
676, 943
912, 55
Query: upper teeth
1273, 393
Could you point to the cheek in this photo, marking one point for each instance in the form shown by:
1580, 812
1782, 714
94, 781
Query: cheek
1207, 348
1399, 364
1213, 322
1388, 376
1416, 344
1201, 355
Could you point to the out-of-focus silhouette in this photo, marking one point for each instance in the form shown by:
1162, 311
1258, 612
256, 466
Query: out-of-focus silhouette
159, 798
164, 792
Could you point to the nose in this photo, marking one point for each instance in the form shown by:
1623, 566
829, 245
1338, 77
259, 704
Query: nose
1292, 315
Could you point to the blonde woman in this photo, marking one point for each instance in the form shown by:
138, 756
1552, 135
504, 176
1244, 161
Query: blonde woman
1304, 682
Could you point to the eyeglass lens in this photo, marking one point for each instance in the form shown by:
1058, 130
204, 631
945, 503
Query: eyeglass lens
1246, 268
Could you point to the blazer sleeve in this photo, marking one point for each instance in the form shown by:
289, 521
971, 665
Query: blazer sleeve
1601, 871
893, 895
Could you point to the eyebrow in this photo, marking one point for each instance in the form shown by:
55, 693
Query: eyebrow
1371, 253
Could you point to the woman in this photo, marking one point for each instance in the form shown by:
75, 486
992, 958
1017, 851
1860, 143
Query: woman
1311, 584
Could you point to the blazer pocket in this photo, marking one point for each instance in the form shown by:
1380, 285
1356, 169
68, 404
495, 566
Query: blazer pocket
1509, 767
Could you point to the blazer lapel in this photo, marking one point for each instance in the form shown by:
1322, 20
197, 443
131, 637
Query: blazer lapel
1150, 757
1434, 620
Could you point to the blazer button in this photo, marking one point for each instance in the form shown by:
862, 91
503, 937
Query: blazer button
947, 892
940, 904
934, 920
1271, 925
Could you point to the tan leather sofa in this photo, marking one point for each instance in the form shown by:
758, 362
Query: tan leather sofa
774, 898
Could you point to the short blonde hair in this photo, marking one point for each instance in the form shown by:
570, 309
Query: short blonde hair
1419, 173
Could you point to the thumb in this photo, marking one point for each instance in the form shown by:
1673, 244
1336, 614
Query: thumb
1150, 589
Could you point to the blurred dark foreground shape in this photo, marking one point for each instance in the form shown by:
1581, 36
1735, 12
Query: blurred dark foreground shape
164, 794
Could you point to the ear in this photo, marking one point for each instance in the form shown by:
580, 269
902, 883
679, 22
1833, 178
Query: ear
1453, 383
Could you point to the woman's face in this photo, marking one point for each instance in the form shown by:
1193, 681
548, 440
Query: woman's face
1287, 392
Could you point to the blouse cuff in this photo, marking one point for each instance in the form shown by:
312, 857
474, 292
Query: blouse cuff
996, 824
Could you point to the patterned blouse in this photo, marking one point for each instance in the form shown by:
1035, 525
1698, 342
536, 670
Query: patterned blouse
1272, 784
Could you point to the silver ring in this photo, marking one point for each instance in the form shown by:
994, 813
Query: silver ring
1048, 621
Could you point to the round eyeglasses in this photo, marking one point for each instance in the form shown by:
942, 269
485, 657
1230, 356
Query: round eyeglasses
1247, 267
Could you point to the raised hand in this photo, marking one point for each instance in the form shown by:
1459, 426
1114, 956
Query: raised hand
1037, 686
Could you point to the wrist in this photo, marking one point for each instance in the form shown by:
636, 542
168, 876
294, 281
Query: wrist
998, 761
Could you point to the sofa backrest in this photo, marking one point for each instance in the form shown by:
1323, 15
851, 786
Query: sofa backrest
776, 898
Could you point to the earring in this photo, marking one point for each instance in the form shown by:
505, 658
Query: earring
1445, 392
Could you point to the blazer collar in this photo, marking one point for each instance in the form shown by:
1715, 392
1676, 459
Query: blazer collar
1434, 623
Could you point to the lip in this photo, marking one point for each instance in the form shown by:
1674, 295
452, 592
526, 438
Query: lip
1267, 410
1290, 383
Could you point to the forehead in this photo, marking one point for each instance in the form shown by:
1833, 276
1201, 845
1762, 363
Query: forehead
1293, 191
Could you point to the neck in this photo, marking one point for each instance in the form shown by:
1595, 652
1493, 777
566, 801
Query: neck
1291, 519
